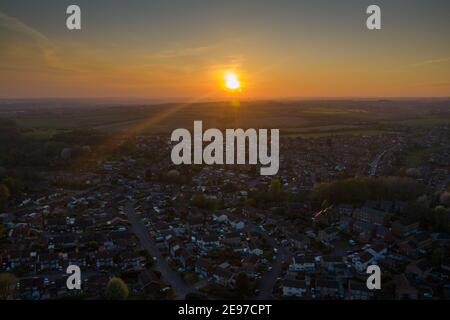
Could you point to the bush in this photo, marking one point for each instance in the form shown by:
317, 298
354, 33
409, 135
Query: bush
116, 289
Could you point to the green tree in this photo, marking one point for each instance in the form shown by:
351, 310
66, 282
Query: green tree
359, 189
199, 201
148, 174
14, 186
4, 195
423, 202
2, 230
116, 289
275, 186
8, 283
242, 284
442, 219
2, 173
438, 256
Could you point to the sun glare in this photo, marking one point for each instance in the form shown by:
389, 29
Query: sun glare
232, 81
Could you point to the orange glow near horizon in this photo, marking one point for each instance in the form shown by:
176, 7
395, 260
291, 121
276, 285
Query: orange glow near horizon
40, 63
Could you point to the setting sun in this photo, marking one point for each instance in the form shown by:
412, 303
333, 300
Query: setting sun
232, 81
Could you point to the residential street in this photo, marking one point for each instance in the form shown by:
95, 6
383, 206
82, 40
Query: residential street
373, 166
269, 278
170, 276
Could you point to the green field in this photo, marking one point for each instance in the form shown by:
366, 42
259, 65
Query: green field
422, 122
419, 156
355, 132
294, 118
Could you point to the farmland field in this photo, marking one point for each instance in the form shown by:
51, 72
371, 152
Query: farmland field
294, 118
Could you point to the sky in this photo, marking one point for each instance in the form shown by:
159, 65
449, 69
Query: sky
181, 49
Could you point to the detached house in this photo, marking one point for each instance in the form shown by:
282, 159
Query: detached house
104, 259
408, 248
420, 269
328, 289
303, 263
202, 268
404, 289
422, 239
364, 260
294, 288
131, 261
300, 241
404, 226
223, 277
208, 242
359, 291
364, 230
49, 261
332, 263
370, 215
328, 234
77, 258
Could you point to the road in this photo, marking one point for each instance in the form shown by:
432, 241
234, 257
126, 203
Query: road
269, 278
373, 166
179, 286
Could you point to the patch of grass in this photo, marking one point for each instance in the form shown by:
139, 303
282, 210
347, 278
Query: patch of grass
41, 133
419, 156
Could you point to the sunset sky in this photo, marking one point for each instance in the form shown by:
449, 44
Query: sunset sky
173, 49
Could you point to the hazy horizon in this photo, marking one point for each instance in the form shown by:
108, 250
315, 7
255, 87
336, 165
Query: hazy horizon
169, 100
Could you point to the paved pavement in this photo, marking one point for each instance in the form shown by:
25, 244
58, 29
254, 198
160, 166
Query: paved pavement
170, 276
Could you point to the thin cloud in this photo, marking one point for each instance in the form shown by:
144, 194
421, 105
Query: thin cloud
17, 25
183, 52
431, 85
432, 61
233, 62
43, 43
405, 68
